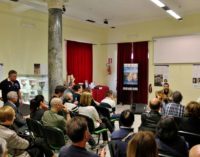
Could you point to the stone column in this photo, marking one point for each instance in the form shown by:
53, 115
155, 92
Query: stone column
55, 65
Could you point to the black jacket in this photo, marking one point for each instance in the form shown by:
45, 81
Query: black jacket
190, 124
149, 121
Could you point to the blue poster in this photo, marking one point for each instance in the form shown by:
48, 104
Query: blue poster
130, 75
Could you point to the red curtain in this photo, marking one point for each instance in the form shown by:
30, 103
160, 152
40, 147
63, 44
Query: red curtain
79, 61
140, 56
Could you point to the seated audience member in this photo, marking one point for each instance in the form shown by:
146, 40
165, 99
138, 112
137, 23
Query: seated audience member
3, 148
195, 151
191, 121
167, 93
68, 98
16, 145
150, 119
142, 144
68, 102
51, 117
37, 107
121, 137
175, 108
126, 121
168, 140
77, 90
109, 99
77, 131
90, 111
12, 98
58, 93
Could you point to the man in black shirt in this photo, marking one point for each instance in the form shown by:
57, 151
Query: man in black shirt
151, 118
10, 84
77, 131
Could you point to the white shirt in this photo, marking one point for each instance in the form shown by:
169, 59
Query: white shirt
70, 106
91, 112
109, 101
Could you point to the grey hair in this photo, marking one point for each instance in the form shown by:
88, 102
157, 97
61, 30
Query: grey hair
12, 95
3, 147
55, 101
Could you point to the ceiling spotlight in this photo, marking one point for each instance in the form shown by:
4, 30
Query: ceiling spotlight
105, 21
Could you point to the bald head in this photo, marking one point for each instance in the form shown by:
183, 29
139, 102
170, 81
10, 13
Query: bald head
195, 151
56, 102
154, 104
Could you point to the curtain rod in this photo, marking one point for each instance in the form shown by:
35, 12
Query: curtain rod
112, 43
122, 42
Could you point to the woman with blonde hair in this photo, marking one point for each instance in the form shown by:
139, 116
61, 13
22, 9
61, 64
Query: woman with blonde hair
17, 146
90, 111
142, 144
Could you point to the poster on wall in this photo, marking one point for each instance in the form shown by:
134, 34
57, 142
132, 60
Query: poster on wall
36, 69
40, 69
161, 75
130, 76
196, 76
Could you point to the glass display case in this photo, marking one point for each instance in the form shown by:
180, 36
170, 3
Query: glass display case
32, 85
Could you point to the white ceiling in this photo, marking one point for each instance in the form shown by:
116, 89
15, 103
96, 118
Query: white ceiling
118, 12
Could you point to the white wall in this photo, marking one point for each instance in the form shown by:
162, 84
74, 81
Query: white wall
24, 41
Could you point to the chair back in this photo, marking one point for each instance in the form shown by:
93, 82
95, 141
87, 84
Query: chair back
35, 127
191, 138
106, 105
54, 137
89, 121
103, 111
112, 148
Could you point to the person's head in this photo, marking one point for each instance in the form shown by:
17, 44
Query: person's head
160, 96
109, 93
193, 109
167, 129
142, 144
59, 90
56, 104
166, 86
195, 151
40, 100
3, 148
77, 130
77, 88
126, 118
12, 96
86, 99
68, 97
7, 115
155, 104
37, 102
12, 75
177, 97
